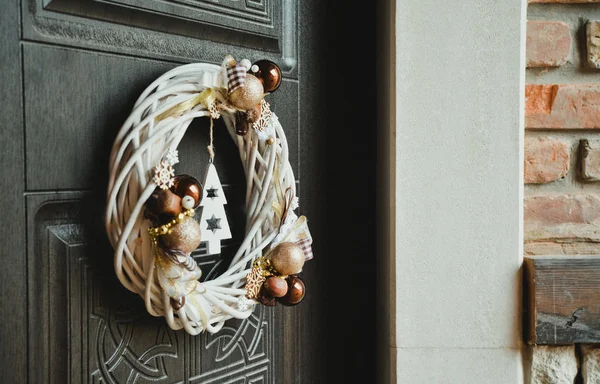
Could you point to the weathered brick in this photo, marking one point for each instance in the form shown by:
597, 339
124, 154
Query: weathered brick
553, 365
562, 218
564, 247
590, 364
548, 43
593, 44
566, 106
546, 160
590, 159
564, 1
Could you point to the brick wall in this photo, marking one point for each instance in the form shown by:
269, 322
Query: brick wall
562, 155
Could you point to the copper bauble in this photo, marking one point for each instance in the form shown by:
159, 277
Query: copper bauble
183, 236
186, 185
249, 95
269, 74
287, 258
275, 286
265, 299
164, 203
241, 125
296, 291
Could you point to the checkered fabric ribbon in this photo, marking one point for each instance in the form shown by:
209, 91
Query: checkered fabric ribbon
305, 244
236, 77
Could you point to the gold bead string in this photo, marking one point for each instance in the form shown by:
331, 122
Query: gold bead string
164, 229
264, 264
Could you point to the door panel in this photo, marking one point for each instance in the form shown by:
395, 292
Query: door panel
85, 327
71, 71
82, 97
191, 30
83, 65
13, 275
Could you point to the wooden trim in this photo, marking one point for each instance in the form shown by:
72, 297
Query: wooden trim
562, 299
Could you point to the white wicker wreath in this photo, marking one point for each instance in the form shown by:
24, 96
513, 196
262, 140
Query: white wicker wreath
155, 127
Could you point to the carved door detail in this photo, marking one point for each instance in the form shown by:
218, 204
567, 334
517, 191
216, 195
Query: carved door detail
84, 62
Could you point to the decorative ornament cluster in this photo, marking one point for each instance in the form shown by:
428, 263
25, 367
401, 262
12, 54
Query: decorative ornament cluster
151, 212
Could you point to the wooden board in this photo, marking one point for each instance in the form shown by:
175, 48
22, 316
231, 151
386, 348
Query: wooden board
562, 299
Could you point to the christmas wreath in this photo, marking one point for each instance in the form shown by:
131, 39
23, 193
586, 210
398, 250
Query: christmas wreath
151, 217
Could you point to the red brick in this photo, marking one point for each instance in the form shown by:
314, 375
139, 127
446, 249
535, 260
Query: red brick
564, 106
548, 43
593, 43
546, 160
562, 218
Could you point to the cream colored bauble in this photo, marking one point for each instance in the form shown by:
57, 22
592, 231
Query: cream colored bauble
249, 95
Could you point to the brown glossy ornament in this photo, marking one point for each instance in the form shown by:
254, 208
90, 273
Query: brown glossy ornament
241, 125
186, 185
164, 203
183, 236
177, 304
287, 258
265, 299
275, 286
296, 291
269, 74
248, 96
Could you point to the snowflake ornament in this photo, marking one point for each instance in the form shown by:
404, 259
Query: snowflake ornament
294, 204
265, 117
254, 282
243, 304
172, 156
163, 175
214, 111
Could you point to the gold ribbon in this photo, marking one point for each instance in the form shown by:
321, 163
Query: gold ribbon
208, 96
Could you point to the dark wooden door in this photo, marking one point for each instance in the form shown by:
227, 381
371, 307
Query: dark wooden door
71, 71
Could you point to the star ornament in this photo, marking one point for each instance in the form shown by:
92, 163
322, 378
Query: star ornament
213, 224
212, 193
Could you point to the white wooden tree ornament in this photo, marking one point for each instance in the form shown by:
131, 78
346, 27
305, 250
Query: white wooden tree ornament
213, 221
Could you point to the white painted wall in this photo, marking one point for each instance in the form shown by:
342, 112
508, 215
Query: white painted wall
458, 191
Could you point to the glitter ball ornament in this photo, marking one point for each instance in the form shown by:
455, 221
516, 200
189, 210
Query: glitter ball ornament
249, 95
183, 236
287, 258
268, 73
296, 291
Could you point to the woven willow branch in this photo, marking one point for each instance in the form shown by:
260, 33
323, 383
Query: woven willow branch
140, 144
